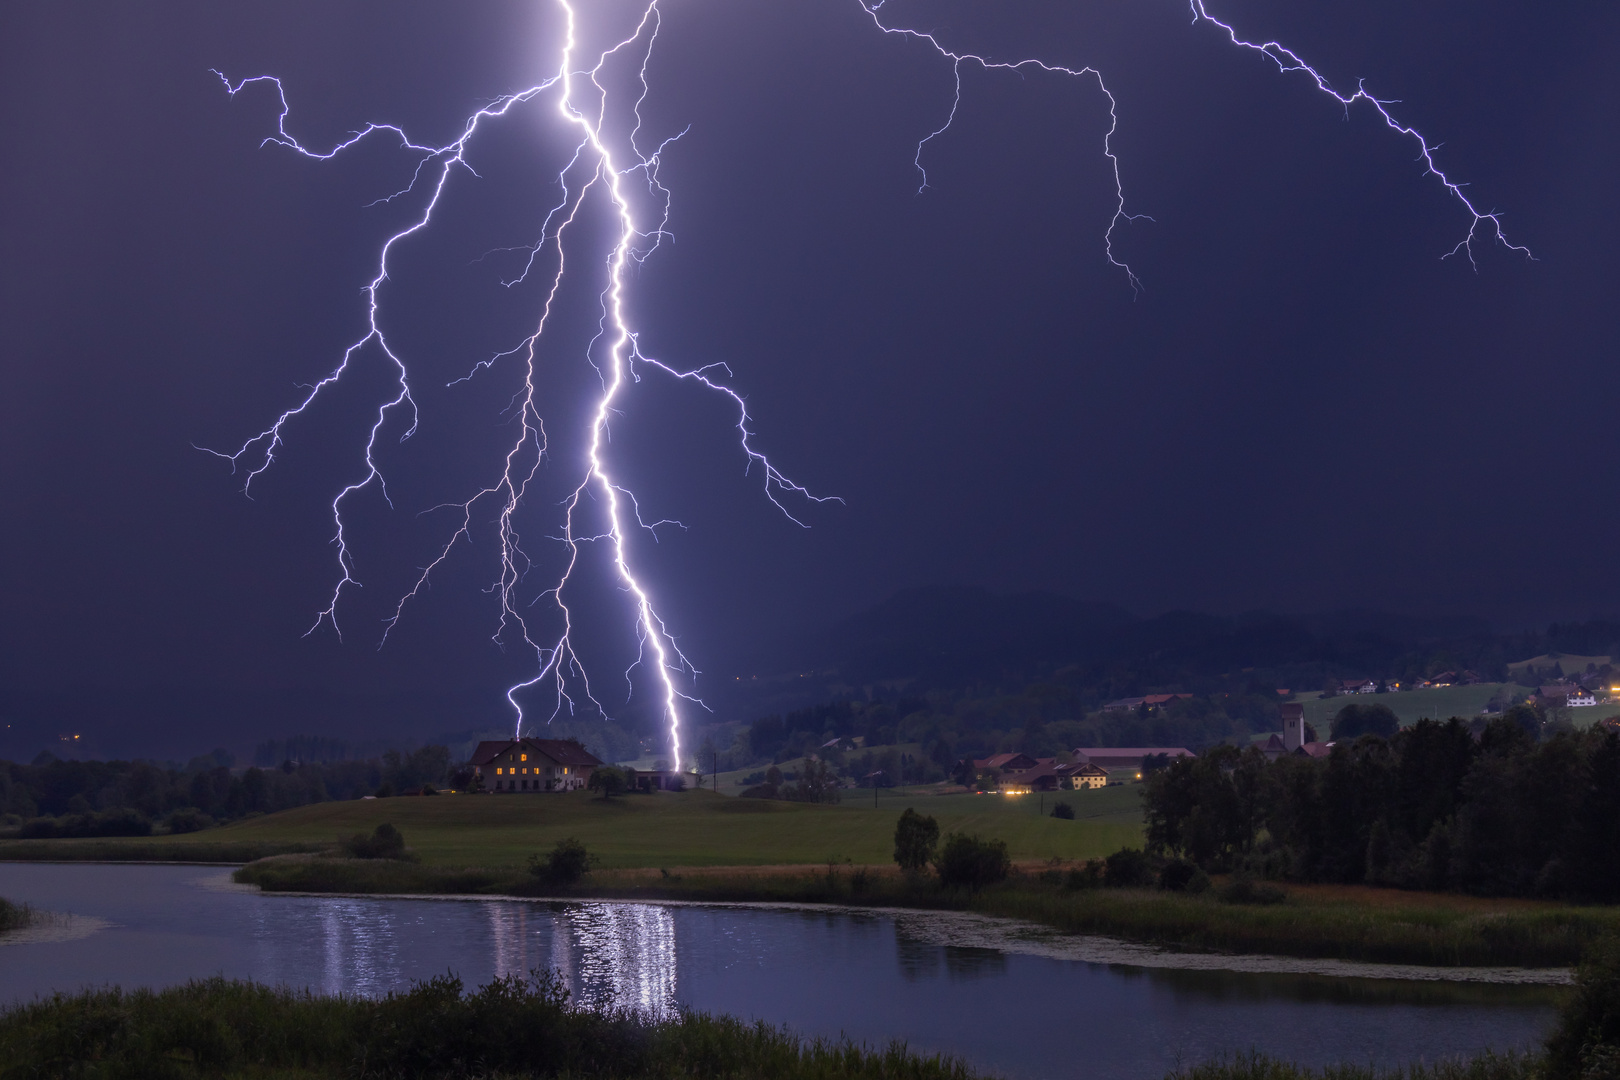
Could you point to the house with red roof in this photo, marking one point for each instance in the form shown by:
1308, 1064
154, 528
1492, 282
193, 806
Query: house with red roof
530, 766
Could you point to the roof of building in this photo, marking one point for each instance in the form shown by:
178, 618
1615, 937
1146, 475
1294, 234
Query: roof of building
1092, 753
562, 751
1315, 749
1017, 762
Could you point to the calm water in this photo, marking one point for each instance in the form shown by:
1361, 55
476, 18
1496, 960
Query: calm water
821, 973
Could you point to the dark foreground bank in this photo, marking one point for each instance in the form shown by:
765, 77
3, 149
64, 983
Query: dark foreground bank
515, 1027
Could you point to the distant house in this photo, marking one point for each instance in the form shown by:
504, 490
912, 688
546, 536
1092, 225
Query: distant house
1358, 686
1081, 777
1124, 704
1556, 695
1155, 701
1006, 764
1047, 775
1567, 693
1314, 750
533, 765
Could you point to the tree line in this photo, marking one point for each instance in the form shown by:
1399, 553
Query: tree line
1496, 811
89, 798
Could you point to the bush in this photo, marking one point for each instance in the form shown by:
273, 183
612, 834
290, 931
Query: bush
1129, 868
122, 821
1586, 1045
566, 863
1243, 889
1063, 810
1354, 720
1179, 875
915, 838
385, 842
188, 819
970, 861
1089, 876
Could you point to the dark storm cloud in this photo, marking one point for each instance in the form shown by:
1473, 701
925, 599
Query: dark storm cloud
1306, 409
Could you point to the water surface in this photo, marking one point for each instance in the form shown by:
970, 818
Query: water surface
820, 972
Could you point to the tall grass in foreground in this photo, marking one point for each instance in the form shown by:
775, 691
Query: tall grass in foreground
1487, 1066
510, 1027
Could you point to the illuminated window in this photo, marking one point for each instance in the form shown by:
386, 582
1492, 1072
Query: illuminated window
565, 770
525, 757
499, 770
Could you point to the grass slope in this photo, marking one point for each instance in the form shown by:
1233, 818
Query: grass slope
667, 829
1410, 706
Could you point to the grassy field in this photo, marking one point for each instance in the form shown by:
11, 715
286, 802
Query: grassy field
1413, 705
693, 828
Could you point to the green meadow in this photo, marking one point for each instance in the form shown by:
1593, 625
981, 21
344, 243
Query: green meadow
665, 829
1440, 703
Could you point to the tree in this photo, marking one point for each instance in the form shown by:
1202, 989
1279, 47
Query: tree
915, 838
564, 864
1374, 719
970, 861
608, 780
1587, 1042
817, 784
385, 842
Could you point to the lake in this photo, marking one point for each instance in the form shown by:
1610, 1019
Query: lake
874, 976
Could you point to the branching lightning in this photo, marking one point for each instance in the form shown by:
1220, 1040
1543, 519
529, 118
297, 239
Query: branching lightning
605, 165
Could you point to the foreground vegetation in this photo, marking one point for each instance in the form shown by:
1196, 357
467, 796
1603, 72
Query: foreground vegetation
511, 1027
517, 1027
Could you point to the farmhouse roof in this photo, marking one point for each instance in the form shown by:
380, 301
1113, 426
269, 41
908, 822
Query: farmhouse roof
562, 751
1133, 754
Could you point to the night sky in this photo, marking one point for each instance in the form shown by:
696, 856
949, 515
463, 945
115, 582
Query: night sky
1305, 409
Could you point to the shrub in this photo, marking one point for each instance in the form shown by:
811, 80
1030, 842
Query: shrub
121, 821
970, 861
385, 842
1089, 876
1063, 810
1129, 868
915, 838
1586, 1044
1243, 889
1179, 875
565, 864
188, 819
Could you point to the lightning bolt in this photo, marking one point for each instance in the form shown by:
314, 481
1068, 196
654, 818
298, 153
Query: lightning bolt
605, 166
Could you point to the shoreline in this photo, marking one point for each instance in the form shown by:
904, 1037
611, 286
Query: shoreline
971, 929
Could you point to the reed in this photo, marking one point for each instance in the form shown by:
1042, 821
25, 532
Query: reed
15, 916
510, 1027
1487, 1066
